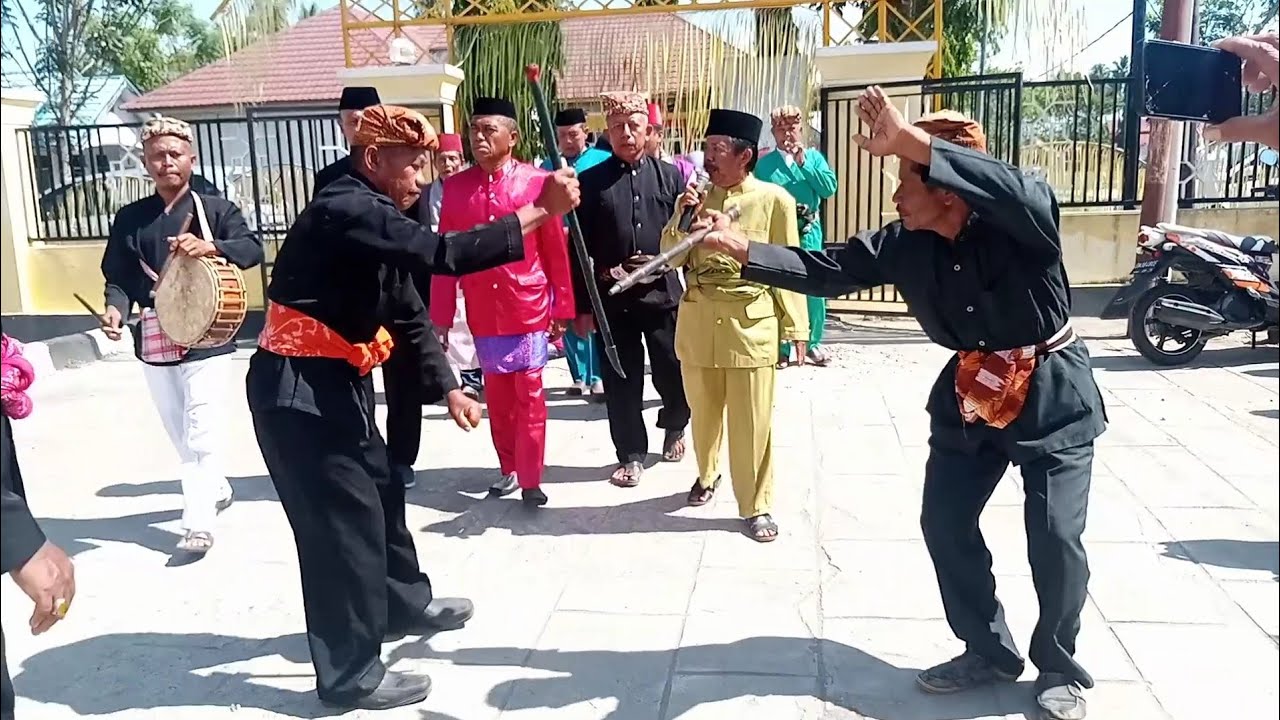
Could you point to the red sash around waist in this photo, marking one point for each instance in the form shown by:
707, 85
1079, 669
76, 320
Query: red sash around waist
291, 333
993, 386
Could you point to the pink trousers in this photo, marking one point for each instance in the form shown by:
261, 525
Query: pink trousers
518, 422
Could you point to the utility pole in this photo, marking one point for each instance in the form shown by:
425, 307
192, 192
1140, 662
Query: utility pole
1164, 146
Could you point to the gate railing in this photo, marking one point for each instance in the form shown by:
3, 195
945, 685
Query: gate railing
1071, 133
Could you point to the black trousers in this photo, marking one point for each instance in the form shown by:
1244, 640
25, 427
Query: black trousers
956, 489
402, 385
360, 575
6, 685
633, 329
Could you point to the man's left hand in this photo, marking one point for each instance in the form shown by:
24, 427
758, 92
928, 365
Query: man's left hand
556, 329
192, 246
464, 410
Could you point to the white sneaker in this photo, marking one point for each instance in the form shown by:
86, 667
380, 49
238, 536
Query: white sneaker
578, 388
597, 387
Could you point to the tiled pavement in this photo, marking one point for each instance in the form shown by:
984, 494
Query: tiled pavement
625, 604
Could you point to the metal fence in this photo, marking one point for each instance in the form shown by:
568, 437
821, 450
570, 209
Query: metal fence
1072, 134
80, 177
863, 198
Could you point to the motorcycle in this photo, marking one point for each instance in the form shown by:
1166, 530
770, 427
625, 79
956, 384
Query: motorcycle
1191, 285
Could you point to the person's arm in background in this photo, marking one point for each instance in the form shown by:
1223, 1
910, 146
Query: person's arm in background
553, 248
119, 266
234, 240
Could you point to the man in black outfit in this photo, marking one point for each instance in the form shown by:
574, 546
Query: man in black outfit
405, 389
626, 202
339, 290
978, 258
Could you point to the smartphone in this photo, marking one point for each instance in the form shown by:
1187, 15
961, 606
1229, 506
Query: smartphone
1190, 82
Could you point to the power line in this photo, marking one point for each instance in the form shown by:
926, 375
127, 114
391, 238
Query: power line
1080, 52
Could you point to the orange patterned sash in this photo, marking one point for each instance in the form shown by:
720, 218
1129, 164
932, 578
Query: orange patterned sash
993, 386
294, 334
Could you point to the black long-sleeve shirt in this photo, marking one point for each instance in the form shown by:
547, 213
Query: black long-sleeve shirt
1001, 284
623, 211
20, 534
327, 174
141, 231
345, 263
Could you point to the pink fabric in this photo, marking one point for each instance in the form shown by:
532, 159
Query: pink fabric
16, 375
518, 422
516, 298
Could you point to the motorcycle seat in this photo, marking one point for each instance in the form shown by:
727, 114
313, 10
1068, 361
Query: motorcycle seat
1258, 245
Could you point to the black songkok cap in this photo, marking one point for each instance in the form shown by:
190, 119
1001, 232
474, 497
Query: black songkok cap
358, 98
493, 106
734, 124
571, 116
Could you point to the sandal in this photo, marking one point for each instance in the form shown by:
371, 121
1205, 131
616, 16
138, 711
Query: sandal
196, 541
699, 496
673, 446
627, 475
762, 528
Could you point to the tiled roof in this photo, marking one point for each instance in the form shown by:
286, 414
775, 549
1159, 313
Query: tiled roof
301, 63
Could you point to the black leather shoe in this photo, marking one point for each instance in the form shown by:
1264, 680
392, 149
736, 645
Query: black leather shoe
404, 474
533, 497
442, 614
396, 690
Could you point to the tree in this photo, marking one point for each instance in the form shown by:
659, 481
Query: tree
55, 47
167, 42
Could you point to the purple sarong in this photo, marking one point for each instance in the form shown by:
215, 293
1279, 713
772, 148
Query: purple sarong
502, 354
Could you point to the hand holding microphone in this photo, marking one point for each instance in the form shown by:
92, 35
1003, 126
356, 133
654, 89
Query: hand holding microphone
692, 199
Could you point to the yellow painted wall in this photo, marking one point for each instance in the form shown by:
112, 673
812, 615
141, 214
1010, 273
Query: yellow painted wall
56, 271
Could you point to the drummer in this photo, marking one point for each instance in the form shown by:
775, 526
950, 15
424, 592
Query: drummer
188, 387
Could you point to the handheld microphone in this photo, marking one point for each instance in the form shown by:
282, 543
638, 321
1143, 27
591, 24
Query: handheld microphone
687, 215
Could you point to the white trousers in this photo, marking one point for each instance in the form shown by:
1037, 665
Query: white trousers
462, 347
190, 398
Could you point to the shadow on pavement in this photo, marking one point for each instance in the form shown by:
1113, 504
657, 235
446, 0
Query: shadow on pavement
103, 675
642, 516
100, 676
636, 680
1239, 554
1212, 357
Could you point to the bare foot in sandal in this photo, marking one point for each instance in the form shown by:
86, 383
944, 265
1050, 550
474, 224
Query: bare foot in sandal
699, 495
762, 528
196, 541
673, 446
627, 475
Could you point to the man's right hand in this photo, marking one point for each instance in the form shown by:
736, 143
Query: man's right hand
690, 197
49, 579
112, 323
560, 192
584, 325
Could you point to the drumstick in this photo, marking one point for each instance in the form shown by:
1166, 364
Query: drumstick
87, 306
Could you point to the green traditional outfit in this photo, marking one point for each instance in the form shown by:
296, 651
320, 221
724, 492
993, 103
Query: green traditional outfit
809, 184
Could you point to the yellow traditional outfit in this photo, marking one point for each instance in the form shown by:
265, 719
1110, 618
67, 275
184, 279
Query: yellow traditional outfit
728, 330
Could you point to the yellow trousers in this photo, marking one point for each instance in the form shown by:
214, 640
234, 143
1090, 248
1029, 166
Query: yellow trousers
747, 395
